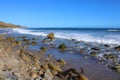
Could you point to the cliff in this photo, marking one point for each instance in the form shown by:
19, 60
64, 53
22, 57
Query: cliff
9, 25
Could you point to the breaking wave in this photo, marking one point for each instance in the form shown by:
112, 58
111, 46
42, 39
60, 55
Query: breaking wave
106, 39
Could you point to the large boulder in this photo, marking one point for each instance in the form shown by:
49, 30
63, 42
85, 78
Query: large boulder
50, 36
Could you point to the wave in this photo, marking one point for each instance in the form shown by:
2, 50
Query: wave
77, 36
25, 31
113, 30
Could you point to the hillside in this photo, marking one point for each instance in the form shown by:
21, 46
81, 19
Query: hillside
9, 25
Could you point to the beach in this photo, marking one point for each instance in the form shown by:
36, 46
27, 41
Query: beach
67, 54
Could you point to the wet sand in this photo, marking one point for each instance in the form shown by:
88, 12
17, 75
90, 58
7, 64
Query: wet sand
93, 69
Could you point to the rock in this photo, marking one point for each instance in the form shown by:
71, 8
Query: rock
43, 48
33, 75
54, 72
69, 74
48, 75
93, 53
62, 46
50, 36
54, 67
2, 78
45, 66
95, 48
85, 57
26, 41
50, 55
25, 58
106, 45
61, 61
110, 56
34, 38
24, 36
33, 43
40, 73
117, 48
82, 50
10, 39
18, 42
13, 44
36, 64
117, 68
81, 77
16, 74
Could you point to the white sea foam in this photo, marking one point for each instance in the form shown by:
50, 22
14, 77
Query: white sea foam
79, 37
113, 30
24, 31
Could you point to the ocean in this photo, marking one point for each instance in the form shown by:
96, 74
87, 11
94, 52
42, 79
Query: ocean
104, 35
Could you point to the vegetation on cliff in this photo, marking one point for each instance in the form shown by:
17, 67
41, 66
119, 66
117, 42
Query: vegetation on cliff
9, 25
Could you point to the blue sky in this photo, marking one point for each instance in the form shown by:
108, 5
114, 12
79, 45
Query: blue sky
61, 13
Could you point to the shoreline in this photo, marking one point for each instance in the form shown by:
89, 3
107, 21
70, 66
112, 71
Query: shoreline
17, 50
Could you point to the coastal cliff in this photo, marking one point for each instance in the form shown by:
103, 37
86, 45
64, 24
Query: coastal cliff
9, 25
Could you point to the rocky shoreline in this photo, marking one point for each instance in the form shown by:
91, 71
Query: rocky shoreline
18, 62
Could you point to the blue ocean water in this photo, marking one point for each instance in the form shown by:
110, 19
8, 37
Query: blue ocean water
105, 36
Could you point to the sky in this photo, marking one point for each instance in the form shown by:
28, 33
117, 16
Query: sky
61, 13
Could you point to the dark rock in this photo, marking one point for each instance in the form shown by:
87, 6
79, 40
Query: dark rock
43, 48
62, 46
93, 53
72, 74
24, 36
117, 48
95, 48
26, 41
110, 56
106, 45
115, 67
33, 43
35, 38
18, 42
